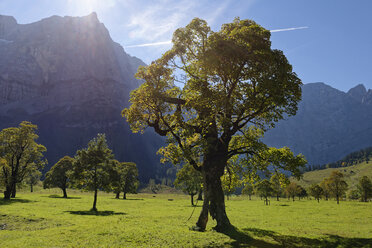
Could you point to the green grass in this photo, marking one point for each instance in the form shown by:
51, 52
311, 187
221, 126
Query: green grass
351, 173
43, 219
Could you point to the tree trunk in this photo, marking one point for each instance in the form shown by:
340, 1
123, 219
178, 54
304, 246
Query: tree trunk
200, 195
337, 199
95, 200
125, 195
32, 190
7, 193
192, 199
318, 200
64, 193
249, 197
277, 197
14, 190
214, 201
117, 195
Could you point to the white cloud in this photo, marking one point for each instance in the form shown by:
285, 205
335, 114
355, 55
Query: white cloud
287, 29
151, 44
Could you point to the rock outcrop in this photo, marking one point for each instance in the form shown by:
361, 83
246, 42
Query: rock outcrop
69, 77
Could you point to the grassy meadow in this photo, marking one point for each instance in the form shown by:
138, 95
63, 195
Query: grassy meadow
44, 219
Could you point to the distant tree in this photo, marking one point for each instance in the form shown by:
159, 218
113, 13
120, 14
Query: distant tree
130, 179
264, 189
248, 190
365, 188
337, 185
59, 175
353, 194
302, 193
292, 190
92, 167
22, 154
316, 191
326, 190
279, 182
33, 178
189, 181
153, 186
230, 181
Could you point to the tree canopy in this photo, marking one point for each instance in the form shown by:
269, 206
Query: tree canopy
59, 175
91, 167
21, 155
212, 95
189, 181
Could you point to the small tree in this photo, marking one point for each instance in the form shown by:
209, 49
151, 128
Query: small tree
22, 154
365, 188
279, 181
124, 177
230, 181
316, 191
59, 175
92, 167
248, 190
264, 189
33, 178
337, 185
302, 193
325, 186
189, 181
292, 190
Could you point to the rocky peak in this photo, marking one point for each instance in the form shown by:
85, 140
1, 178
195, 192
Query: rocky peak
358, 92
7, 24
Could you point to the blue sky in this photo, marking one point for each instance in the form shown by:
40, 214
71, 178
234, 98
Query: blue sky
335, 48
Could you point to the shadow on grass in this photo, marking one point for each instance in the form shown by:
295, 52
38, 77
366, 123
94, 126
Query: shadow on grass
11, 201
135, 199
61, 197
243, 238
96, 213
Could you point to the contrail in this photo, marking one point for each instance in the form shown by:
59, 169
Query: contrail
170, 42
286, 29
151, 44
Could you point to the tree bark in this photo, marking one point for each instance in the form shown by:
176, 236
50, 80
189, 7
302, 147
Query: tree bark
95, 200
214, 200
125, 195
64, 193
32, 189
14, 190
192, 199
7, 193
117, 195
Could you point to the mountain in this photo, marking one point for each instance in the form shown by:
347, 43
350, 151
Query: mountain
329, 124
69, 77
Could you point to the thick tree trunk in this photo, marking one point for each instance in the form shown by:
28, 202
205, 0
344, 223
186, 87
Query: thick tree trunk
214, 200
125, 195
64, 193
7, 193
95, 200
277, 197
117, 195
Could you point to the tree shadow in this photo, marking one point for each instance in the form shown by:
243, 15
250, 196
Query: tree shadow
11, 201
243, 238
61, 197
96, 213
133, 199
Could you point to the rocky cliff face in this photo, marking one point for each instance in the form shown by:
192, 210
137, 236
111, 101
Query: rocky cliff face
66, 75
329, 124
